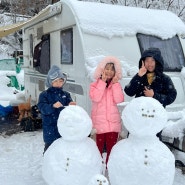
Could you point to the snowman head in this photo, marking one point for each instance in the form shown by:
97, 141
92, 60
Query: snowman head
74, 123
98, 179
144, 116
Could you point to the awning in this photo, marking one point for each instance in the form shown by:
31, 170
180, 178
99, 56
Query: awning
8, 29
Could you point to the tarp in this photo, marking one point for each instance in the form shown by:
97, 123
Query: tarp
4, 111
8, 29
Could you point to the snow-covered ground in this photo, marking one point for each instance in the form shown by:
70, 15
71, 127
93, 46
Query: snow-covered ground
21, 160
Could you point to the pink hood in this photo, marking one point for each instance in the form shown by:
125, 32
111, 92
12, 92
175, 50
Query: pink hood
101, 66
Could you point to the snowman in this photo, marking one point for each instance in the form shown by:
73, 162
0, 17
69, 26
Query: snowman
142, 159
74, 158
98, 179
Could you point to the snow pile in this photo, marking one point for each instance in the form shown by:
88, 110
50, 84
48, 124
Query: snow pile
11, 95
20, 78
92, 62
175, 128
123, 20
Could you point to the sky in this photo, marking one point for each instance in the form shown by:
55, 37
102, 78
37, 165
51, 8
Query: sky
21, 155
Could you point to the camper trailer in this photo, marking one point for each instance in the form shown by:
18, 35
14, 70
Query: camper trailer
76, 35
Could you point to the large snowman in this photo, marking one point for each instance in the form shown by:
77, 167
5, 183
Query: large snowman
142, 159
74, 158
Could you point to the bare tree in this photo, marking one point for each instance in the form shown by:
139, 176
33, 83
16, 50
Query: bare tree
25, 7
175, 6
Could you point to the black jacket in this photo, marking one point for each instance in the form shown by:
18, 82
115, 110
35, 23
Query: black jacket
163, 87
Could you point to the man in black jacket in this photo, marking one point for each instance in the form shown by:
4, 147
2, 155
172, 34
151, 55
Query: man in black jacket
150, 81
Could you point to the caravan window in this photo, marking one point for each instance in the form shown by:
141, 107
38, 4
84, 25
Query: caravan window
67, 46
171, 50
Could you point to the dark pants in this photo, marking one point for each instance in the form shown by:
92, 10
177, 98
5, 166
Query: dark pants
46, 146
107, 140
159, 135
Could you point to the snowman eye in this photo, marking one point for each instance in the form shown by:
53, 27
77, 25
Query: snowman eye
153, 110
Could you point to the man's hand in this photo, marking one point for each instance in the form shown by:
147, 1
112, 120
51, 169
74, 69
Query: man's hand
142, 70
148, 92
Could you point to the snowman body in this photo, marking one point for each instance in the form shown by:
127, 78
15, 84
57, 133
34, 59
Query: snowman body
68, 163
142, 159
74, 158
139, 163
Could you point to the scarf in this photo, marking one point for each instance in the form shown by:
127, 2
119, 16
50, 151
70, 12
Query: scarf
150, 77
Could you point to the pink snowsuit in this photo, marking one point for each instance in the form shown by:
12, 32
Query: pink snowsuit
105, 114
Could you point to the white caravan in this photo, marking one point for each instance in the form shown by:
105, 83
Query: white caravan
79, 34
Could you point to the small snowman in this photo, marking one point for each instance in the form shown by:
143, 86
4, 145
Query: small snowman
74, 158
99, 179
142, 159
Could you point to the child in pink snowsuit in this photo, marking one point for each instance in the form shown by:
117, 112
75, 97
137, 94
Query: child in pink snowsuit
105, 93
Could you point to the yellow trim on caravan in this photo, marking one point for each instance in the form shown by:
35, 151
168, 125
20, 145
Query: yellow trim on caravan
6, 30
49, 11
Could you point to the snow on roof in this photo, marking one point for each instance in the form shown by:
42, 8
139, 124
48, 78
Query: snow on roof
116, 20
